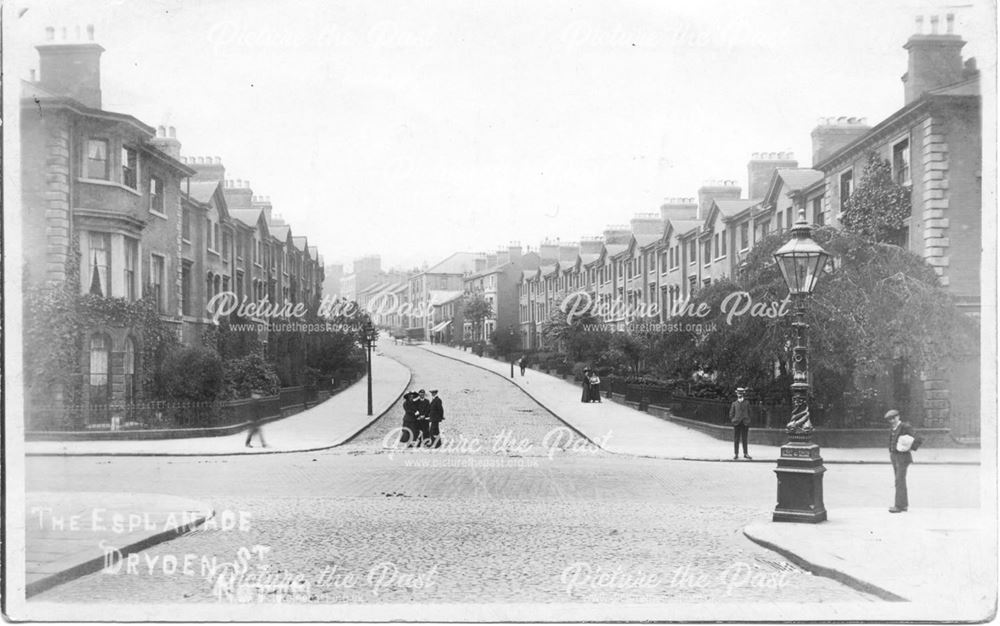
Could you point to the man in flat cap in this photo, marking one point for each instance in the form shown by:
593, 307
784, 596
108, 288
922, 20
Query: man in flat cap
901, 457
739, 417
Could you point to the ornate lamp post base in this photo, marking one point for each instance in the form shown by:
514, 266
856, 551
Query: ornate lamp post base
800, 481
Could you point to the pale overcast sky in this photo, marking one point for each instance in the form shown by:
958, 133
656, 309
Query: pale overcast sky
415, 129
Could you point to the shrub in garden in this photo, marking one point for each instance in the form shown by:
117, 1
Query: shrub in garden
191, 380
191, 374
248, 374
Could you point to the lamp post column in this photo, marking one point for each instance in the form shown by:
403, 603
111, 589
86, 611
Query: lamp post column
369, 366
800, 466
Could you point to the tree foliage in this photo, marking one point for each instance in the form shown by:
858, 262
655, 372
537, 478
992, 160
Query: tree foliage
477, 309
877, 302
505, 341
578, 340
878, 206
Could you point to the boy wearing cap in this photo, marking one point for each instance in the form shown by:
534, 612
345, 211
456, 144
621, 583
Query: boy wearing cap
739, 417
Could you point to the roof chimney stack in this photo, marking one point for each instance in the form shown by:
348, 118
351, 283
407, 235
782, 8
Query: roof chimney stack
166, 141
679, 209
71, 69
833, 133
935, 59
716, 190
207, 168
762, 166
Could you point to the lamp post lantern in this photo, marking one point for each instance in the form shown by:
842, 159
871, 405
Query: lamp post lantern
800, 466
369, 334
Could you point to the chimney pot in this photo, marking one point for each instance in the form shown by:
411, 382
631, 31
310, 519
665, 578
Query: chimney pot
218, 160
950, 21
64, 33
172, 132
50, 33
920, 24
90, 32
160, 131
934, 24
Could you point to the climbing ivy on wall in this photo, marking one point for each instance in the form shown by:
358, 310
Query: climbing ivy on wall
877, 208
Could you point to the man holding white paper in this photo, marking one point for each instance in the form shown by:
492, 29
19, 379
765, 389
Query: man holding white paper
902, 441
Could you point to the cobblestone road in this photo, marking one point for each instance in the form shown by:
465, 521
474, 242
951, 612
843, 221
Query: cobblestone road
507, 522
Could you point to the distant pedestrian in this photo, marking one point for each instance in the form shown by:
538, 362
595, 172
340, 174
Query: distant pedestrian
902, 441
586, 397
595, 387
523, 364
255, 429
739, 417
435, 417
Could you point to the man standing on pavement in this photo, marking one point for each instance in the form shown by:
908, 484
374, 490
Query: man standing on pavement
739, 416
901, 458
436, 416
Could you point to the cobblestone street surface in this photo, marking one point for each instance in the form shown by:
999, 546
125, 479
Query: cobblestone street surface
512, 509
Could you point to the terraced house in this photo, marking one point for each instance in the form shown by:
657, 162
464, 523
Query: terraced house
111, 209
934, 146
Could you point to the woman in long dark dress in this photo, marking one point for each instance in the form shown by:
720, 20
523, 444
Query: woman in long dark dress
595, 387
410, 427
586, 386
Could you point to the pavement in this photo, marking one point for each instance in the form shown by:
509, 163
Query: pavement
68, 535
621, 429
904, 556
896, 557
356, 506
327, 424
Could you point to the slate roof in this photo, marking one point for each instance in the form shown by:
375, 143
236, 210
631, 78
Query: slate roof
203, 190
247, 216
440, 297
683, 227
729, 208
457, 263
799, 178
